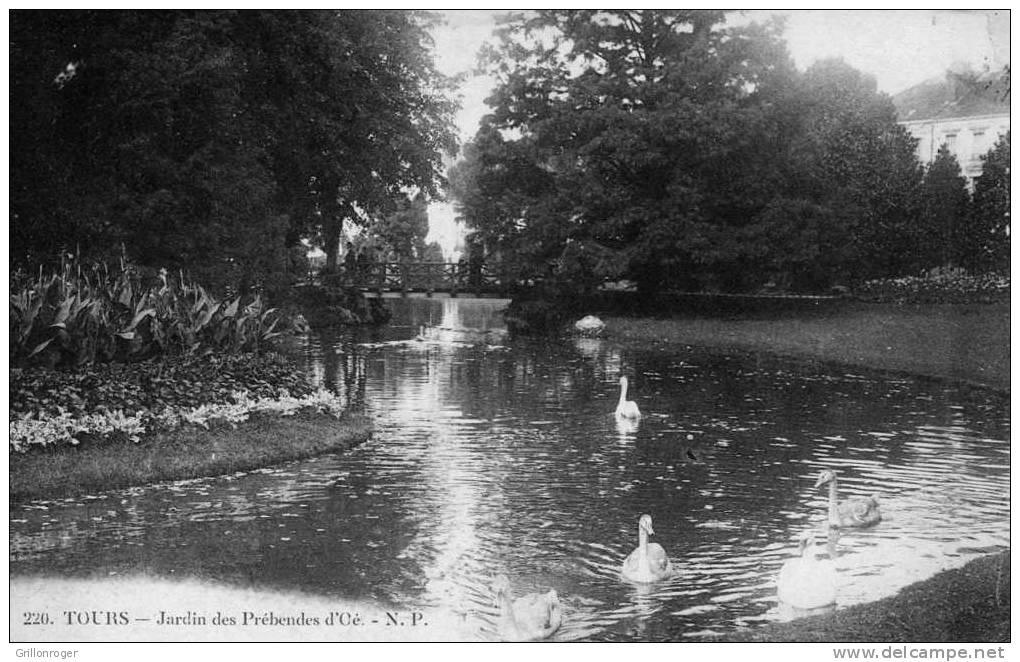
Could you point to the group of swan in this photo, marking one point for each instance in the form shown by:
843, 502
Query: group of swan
804, 582
538, 615
807, 582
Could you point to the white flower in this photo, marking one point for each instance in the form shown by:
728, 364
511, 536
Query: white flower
63, 428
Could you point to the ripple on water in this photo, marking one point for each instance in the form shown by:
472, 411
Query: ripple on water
510, 462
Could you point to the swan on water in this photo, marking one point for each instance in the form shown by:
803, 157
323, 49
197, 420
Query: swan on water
858, 511
528, 618
806, 582
626, 408
648, 563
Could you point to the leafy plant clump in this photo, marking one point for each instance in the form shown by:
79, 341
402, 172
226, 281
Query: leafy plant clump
127, 401
333, 304
178, 382
939, 286
86, 315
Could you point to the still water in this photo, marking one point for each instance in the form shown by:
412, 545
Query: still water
493, 456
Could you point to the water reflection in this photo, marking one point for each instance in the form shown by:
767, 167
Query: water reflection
507, 459
626, 428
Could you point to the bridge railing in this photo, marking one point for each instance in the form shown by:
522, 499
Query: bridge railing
426, 277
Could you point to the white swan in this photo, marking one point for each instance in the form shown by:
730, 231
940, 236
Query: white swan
648, 563
528, 618
806, 582
626, 408
859, 511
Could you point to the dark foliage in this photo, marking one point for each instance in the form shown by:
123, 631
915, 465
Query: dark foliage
333, 305
857, 167
212, 141
945, 211
151, 386
985, 245
402, 233
681, 153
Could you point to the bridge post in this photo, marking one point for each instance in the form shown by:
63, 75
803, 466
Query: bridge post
404, 276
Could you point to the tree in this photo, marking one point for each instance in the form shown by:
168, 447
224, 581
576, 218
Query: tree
944, 216
666, 147
496, 185
433, 253
848, 154
985, 245
608, 131
403, 231
215, 140
368, 115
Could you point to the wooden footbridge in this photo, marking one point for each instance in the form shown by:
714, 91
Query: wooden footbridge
452, 278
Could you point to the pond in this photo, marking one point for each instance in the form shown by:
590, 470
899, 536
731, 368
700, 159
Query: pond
495, 456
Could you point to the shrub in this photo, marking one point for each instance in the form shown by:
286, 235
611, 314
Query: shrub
84, 315
986, 244
179, 382
938, 286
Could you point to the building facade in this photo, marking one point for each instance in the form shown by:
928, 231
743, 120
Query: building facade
964, 111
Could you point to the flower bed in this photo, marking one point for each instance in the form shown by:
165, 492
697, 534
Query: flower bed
65, 428
949, 286
50, 407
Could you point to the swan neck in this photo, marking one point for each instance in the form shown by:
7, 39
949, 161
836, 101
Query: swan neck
623, 392
833, 510
506, 605
642, 540
830, 544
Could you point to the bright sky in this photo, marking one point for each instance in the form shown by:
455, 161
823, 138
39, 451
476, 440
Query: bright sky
900, 48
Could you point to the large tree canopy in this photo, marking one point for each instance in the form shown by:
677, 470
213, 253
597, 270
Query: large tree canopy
680, 151
214, 140
848, 155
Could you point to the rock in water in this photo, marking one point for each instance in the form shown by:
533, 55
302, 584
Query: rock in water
589, 325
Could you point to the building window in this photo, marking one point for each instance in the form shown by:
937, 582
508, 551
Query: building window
950, 142
978, 144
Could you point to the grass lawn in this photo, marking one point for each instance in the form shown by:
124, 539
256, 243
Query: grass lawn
965, 342
184, 453
969, 604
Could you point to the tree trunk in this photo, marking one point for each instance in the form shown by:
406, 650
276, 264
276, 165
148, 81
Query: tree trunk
333, 230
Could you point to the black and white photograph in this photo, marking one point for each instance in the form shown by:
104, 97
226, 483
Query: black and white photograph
672, 326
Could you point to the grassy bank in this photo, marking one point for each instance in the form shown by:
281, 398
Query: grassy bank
183, 453
968, 604
965, 342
